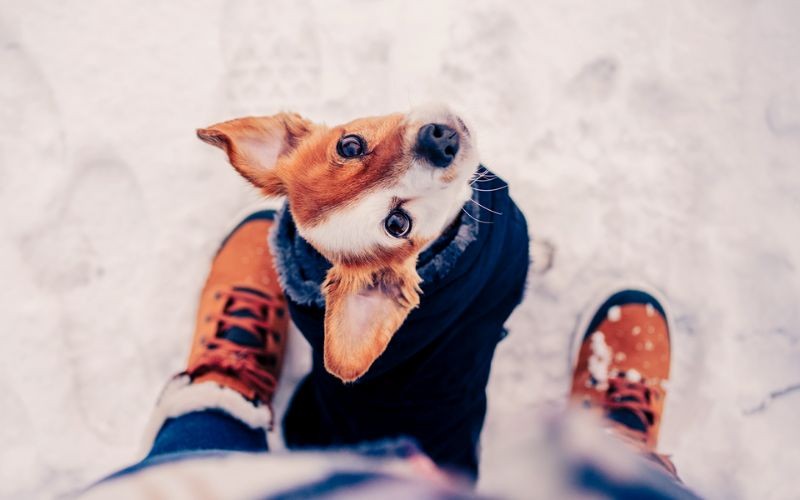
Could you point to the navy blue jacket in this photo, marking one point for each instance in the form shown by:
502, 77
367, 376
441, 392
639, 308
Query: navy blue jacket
430, 383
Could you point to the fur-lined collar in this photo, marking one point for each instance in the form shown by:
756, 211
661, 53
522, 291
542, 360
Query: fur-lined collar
301, 269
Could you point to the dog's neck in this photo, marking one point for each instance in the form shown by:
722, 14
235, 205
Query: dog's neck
456, 212
302, 269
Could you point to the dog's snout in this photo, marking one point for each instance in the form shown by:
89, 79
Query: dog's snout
438, 144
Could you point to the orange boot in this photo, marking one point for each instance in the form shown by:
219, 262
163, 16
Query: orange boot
621, 365
240, 335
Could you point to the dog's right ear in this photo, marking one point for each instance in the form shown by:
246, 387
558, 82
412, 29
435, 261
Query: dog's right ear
255, 144
363, 310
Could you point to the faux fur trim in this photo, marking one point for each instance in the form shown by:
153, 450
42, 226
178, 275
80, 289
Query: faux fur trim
301, 269
180, 397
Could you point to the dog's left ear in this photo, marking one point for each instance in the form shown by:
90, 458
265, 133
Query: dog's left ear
363, 310
255, 145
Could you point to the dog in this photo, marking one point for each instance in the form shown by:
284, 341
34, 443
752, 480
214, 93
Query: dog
371, 197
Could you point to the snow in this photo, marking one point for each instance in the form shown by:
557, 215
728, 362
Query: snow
650, 140
599, 360
633, 375
614, 313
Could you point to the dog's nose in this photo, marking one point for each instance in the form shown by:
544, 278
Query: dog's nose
438, 144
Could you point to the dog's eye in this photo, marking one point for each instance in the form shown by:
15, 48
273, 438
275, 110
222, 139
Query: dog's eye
351, 146
398, 223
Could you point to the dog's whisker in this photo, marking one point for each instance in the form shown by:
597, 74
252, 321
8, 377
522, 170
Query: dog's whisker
486, 208
475, 219
490, 190
483, 173
481, 179
478, 176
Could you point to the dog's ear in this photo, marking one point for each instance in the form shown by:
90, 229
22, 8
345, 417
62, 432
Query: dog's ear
363, 310
255, 144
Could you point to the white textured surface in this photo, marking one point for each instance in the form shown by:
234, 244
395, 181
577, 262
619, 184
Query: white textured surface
658, 140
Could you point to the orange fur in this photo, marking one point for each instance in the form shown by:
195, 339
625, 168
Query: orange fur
386, 295
246, 139
325, 181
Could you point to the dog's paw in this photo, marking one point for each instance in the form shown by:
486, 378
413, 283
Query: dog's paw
542, 256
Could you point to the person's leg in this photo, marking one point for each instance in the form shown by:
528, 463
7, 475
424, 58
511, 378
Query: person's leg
622, 362
222, 400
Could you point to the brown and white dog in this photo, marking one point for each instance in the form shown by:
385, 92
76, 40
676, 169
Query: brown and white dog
368, 195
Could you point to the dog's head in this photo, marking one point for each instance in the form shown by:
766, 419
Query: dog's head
369, 195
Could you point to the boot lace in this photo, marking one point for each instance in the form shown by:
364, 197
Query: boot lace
629, 403
245, 345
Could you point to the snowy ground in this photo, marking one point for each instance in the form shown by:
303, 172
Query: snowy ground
657, 141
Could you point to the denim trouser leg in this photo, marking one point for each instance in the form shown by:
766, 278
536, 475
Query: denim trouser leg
204, 431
